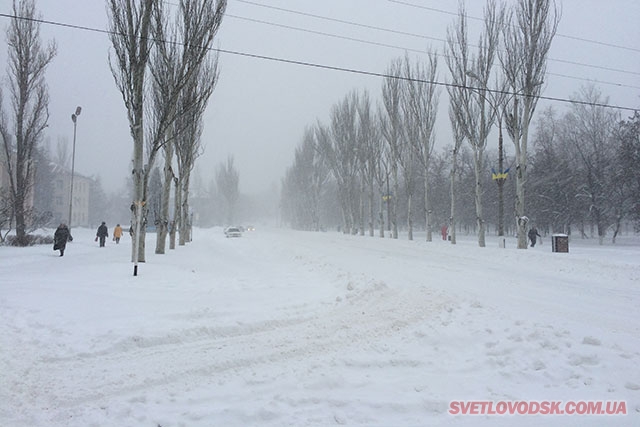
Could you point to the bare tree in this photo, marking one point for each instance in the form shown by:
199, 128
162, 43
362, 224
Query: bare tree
475, 113
628, 134
552, 188
369, 153
528, 33
589, 129
420, 104
338, 145
175, 63
166, 63
382, 175
304, 185
391, 123
192, 104
408, 165
318, 174
27, 63
162, 227
184, 77
458, 139
130, 23
227, 180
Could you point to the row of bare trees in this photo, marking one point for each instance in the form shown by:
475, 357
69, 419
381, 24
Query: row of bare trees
483, 93
583, 180
371, 151
163, 65
362, 155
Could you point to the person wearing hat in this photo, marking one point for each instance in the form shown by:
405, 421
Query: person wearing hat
61, 237
102, 233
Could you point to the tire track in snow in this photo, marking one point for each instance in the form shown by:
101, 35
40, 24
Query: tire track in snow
372, 314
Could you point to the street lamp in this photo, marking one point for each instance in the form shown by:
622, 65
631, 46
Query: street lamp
74, 119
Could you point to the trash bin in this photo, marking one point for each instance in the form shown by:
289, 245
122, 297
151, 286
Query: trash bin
559, 243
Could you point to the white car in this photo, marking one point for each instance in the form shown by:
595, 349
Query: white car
232, 232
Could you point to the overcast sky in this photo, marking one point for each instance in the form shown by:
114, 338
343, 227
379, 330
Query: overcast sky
260, 108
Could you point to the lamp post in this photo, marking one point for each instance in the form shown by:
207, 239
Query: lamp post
74, 119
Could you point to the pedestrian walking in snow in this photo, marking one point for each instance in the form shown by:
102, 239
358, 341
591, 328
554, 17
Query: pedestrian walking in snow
444, 230
102, 233
117, 233
60, 238
533, 235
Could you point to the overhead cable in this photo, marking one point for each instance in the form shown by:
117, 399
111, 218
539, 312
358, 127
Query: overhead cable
328, 67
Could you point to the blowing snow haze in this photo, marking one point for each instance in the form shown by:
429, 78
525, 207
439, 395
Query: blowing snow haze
261, 106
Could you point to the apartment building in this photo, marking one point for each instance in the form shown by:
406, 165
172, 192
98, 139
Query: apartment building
61, 194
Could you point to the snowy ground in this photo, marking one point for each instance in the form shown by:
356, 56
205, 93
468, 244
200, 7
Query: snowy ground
284, 328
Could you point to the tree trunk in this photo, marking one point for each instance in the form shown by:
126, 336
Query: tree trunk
18, 206
410, 214
184, 226
361, 209
427, 207
372, 213
138, 248
388, 208
521, 220
477, 158
19, 195
394, 204
163, 225
344, 205
176, 214
616, 229
452, 218
521, 224
381, 214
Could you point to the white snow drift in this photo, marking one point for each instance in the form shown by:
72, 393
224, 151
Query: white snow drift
290, 328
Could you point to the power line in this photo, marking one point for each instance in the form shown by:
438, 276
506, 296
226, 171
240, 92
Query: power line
434, 82
341, 21
388, 30
602, 82
448, 12
321, 33
328, 67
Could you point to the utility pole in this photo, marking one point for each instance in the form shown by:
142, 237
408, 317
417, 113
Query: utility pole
74, 119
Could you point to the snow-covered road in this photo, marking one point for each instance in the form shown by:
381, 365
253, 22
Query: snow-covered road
291, 328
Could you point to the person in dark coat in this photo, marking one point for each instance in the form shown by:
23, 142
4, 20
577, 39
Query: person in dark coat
102, 233
533, 235
61, 237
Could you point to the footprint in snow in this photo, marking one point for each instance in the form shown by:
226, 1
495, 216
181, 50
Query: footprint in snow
591, 341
